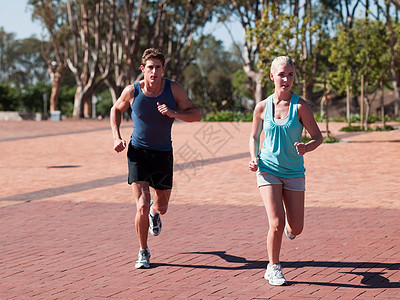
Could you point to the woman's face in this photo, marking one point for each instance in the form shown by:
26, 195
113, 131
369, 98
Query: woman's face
283, 77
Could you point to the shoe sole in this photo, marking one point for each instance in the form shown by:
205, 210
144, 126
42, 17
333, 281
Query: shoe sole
142, 266
274, 284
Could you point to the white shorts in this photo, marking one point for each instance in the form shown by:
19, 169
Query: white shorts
293, 184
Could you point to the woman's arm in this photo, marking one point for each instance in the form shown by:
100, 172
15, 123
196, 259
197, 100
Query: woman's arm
254, 142
307, 119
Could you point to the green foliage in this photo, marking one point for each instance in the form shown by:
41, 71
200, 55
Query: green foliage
105, 103
9, 98
353, 129
66, 100
330, 140
360, 50
211, 80
386, 128
239, 82
30, 98
318, 117
228, 116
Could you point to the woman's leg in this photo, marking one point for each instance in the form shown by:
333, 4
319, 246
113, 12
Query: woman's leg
294, 204
272, 197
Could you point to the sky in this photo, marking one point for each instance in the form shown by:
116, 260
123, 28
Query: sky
15, 17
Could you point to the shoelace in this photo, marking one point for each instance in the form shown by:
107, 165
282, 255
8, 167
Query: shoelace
278, 273
155, 220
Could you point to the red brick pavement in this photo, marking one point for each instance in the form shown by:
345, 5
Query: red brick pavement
66, 218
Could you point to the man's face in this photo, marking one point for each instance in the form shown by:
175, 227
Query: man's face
153, 70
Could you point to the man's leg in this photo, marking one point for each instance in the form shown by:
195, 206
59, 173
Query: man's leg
161, 200
158, 207
142, 196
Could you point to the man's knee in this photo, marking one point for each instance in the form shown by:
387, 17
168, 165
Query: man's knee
143, 206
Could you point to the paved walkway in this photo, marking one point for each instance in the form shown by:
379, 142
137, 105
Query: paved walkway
66, 218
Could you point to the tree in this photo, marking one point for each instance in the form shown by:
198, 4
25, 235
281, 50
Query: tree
361, 51
249, 13
52, 14
210, 78
393, 31
88, 23
20, 60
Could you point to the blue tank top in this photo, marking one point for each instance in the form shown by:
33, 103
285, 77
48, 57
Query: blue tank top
151, 129
278, 155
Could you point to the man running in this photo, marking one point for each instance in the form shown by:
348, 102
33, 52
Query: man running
155, 102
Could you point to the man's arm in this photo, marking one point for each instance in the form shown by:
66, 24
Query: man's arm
118, 108
187, 110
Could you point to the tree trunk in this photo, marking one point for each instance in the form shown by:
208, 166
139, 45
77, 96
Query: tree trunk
396, 87
56, 79
348, 105
362, 103
382, 104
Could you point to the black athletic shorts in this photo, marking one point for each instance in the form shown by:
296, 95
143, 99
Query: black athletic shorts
155, 167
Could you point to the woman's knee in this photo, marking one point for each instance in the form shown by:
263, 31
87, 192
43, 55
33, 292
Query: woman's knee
277, 225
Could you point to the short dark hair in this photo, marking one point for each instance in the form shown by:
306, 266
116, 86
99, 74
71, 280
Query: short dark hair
152, 53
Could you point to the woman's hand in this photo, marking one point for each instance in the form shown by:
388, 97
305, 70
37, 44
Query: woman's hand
253, 165
301, 148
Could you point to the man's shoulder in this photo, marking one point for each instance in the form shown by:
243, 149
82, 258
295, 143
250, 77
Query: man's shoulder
129, 91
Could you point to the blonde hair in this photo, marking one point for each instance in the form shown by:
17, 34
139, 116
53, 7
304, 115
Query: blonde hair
281, 60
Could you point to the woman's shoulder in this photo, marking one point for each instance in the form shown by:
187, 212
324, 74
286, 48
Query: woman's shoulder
261, 105
303, 107
259, 110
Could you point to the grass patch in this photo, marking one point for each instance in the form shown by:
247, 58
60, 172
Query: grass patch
386, 128
353, 129
328, 140
358, 128
228, 116
331, 140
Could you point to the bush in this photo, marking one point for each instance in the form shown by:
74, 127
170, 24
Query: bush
352, 129
306, 139
10, 99
386, 128
228, 116
66, 100
330, 140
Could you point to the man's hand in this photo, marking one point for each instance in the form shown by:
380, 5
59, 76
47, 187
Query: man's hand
165, 110
119, 145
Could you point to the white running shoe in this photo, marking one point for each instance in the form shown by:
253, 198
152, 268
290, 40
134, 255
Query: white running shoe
154, 222
288, 234
274, 275
143, 261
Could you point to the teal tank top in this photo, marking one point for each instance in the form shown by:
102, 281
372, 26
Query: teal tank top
278, 155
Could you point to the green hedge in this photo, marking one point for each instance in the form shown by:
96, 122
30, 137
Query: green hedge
228, 116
